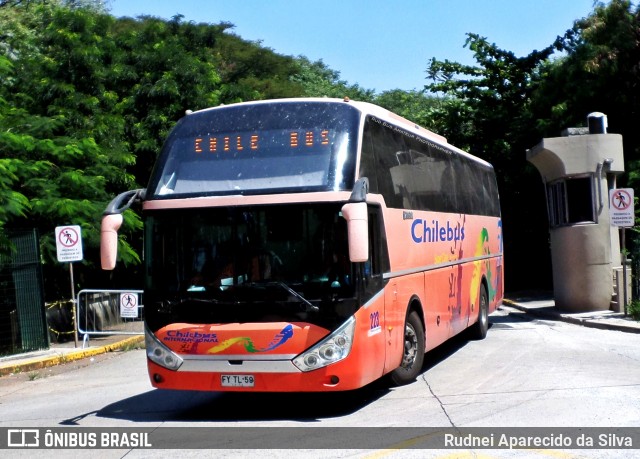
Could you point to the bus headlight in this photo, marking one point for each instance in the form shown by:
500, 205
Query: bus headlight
333, 348
159, 353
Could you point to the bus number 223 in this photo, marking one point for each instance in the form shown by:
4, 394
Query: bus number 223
375, 320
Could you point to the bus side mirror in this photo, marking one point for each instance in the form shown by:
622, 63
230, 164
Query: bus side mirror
356, 214
111, 221
109, 240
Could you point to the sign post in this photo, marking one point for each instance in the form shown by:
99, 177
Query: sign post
622, 214
69, 249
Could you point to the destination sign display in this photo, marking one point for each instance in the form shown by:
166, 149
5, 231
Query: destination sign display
299, 140
250, 148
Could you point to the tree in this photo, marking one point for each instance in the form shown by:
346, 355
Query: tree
60, 133
13, 204
600, 72
250, 71
316, 79
162, 68
415, 106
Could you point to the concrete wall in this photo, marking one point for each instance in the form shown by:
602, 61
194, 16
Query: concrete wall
582, 269
558, 157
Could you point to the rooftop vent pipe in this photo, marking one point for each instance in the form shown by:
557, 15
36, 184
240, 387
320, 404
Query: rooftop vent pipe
597, 123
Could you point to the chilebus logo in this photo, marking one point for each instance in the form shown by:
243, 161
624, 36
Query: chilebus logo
423, 231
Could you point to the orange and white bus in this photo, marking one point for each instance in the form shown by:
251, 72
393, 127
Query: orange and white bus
310, 245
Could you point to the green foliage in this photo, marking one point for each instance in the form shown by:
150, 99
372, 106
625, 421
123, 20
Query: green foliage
318, 80
599, 73
492, 98
634, 309
162, 69
416, 106
252, 72
60, 133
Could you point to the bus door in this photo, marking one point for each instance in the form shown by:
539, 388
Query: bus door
389, 314
393, 327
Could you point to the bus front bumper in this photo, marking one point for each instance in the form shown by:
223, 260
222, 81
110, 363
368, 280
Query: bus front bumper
282, 376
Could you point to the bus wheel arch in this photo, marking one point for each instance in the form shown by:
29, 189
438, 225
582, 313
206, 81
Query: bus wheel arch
413, 347
479, 329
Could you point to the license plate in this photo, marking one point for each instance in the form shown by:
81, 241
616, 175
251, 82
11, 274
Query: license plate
237, 381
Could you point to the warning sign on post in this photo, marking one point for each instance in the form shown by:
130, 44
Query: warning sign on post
621, 208
69, 243
129, 305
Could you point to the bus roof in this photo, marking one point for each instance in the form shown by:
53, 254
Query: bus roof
366, 108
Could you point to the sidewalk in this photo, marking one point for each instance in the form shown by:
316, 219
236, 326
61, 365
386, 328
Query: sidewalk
539, 305
542, 305
67, 352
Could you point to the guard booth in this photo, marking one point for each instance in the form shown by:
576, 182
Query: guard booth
578, 169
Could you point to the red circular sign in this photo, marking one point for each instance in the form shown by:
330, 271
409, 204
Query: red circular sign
621, 200
68, 237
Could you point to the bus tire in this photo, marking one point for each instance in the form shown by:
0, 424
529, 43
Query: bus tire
479, 329
413, 354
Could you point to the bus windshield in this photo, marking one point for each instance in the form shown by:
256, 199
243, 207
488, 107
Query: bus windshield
276, 147
249, 264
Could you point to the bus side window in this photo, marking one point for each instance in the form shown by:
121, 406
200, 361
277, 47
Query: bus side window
371, 266
378, 259
367, 158
390, 173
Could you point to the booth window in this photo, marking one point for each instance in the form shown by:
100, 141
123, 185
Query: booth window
570, 201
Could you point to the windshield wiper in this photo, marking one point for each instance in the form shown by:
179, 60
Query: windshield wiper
193, 299
310, 307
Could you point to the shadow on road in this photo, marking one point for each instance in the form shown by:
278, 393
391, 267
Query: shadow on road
189, 406
441, 353
510, 318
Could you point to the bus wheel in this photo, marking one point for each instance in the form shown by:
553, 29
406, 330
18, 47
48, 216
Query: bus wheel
479, 329
413, 355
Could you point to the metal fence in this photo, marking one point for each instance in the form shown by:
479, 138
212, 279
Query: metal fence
23, 323
109, 312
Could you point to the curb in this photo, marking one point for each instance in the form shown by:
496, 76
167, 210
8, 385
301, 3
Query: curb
590, 323
66, 357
